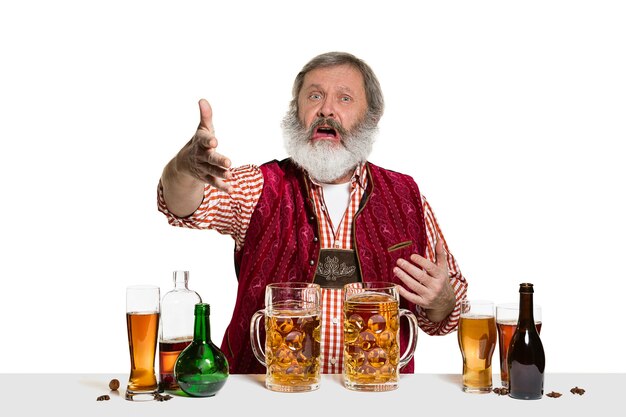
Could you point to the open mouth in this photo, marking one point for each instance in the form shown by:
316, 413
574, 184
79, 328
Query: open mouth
325, 132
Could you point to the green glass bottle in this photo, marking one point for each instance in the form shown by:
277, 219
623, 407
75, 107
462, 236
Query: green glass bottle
201, 369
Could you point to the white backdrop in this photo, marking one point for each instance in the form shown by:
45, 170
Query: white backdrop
510, 115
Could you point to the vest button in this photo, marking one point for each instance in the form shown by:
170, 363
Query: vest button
311, 218
312, 262
315, 239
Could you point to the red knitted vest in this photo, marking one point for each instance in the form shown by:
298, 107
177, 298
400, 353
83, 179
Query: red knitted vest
281, 243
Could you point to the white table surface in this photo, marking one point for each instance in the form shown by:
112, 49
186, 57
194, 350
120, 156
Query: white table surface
418, 395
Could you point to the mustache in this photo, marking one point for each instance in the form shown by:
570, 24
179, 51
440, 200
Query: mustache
326, 121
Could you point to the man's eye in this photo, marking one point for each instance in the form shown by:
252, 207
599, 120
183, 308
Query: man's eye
315, 96
346, 99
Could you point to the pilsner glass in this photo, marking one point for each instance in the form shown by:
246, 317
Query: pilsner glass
142, 324
506, 321
477, 339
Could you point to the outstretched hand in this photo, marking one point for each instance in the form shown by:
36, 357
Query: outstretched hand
199, 157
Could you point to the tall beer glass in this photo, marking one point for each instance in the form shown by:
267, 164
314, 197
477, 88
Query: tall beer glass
142, 324
506, 321
477, 339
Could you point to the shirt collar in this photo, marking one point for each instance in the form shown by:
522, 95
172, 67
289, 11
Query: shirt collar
358, 177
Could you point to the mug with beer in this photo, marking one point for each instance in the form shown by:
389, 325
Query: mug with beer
477, 340
372, 358
292, 336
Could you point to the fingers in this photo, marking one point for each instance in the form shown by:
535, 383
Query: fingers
218, 160
440, 254
206, 116
206, 144
213, 176
208, 170
205, 139
407, 269
220, 185
424, 263
426, 283
437, 268
412, 276
423, 290
411, 297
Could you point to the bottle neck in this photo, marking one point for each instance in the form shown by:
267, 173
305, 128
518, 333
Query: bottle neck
202, 328
181, 278
526, 317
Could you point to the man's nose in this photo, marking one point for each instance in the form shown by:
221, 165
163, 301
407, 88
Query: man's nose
326, 109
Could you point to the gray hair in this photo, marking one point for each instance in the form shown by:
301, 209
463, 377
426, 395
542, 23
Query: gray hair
374, 94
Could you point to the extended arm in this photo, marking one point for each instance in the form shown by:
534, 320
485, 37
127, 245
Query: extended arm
195, 165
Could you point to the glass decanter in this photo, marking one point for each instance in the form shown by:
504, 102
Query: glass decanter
177, 326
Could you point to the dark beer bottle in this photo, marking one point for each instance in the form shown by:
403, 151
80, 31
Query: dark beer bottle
526, 360
201, 369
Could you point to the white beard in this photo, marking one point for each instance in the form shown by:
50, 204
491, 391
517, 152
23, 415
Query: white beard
327, 161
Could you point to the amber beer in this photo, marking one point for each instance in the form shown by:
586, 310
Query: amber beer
292, 348
477, 337
290, 351
168, 354
507, 315
372, 357
505, 333
142, 340
371, 333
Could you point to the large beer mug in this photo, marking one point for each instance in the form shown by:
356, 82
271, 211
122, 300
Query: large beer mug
292, 336
371, 317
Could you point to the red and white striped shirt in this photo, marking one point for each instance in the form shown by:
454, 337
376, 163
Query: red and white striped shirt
231, 213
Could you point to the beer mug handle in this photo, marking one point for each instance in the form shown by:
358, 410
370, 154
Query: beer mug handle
255, 338
410, 349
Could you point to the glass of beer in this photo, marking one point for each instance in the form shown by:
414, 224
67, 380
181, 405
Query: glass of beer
142, 324
292, 336
477, 339
506, 322
371, 329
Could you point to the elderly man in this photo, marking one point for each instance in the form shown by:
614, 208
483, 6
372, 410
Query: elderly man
326, 205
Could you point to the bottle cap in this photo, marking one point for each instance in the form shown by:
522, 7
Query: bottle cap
202, 309
526, 287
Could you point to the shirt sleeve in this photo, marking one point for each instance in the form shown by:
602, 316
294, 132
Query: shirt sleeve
459, 284
229, 214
